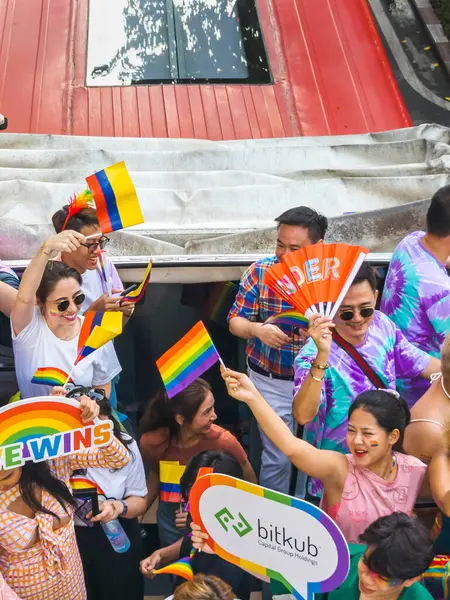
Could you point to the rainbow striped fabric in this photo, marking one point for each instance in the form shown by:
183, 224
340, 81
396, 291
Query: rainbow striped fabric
180, 568
189, 358
170, 473
115, 198
98, 328
50, 376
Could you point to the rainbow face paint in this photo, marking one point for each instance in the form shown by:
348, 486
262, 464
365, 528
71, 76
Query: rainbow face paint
53, 313
373, 444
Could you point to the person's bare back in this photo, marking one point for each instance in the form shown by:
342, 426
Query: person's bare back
427, 432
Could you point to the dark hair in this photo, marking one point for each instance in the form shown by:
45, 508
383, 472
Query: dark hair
39, 476
310, 219
221, 462
401, 546
85, 218
366, 273
122, 436
54, 272
162, 410
390, 411
438, 215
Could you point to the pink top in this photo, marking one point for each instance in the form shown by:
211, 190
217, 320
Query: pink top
6, 593
366, 496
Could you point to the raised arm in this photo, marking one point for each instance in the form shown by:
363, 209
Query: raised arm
8, 296
330, 467
439, 473
307, 399
22, 312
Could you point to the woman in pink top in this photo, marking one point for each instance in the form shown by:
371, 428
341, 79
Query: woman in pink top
375, 480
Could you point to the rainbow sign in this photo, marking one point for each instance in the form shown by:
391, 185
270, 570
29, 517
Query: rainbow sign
273, 534
50, 376
46, 428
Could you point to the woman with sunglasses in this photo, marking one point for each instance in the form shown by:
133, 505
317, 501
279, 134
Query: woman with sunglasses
360, 350
375, 479
46, 324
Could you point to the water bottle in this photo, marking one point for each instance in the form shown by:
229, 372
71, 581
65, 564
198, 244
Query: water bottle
116, 535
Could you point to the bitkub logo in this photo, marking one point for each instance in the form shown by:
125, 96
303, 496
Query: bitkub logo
225, 518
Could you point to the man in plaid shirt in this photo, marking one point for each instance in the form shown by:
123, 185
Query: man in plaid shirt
271, 349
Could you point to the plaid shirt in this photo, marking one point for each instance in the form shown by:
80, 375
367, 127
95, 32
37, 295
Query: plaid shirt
256, 302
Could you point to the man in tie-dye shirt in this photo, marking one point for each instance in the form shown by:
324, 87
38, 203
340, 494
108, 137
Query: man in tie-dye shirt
327, 379
417, 290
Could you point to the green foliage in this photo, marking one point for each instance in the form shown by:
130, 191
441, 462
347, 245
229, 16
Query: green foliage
442, 8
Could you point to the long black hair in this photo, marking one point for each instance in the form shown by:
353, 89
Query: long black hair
161, 411
38, 476
388, 408
124, 438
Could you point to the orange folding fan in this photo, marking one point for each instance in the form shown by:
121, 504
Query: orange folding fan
316, 278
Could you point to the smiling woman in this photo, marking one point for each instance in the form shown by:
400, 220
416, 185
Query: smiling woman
46, 323
374, 480
173, 431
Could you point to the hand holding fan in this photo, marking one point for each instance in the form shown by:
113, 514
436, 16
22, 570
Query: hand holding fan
316, 278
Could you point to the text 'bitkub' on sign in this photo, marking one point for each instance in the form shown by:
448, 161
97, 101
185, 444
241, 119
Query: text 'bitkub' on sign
272, 534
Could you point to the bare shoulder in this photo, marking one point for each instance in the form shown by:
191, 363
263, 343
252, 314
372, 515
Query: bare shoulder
425, 437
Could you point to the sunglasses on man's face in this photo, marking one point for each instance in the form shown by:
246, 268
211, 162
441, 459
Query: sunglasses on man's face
93, 246
64, 304
366, 312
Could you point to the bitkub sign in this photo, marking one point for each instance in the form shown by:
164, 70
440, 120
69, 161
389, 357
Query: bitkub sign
47, 427
272, 534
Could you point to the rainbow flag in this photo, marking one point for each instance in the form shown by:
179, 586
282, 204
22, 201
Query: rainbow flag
139, 292
194, 354
83, 483
180, 568
50, 376
170, 474
115, 198
289, 317
98, 328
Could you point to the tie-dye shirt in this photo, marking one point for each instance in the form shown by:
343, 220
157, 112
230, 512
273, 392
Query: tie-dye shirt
389, 354
417, 298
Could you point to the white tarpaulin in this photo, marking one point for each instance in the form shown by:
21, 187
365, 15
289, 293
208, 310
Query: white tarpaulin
204, 197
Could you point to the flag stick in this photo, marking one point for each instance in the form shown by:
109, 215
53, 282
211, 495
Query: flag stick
68, 377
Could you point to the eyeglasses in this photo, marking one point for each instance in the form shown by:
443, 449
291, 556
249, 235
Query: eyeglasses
64, 304
366, 312
101, 243
76, 391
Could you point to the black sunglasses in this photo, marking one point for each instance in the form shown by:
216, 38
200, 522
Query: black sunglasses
347, 315
101, 243
76, 391
64, 304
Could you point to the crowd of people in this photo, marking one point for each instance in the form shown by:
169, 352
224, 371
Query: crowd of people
356, 407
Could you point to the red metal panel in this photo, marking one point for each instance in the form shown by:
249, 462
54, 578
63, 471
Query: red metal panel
331, 76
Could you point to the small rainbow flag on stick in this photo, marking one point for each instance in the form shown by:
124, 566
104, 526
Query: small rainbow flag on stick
50, 376
194, 354
139, 292
115, 198
98, 328
289, 317
180, 568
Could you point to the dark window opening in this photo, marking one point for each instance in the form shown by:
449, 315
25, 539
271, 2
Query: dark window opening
180, 41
